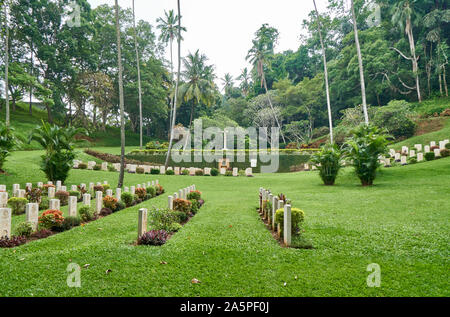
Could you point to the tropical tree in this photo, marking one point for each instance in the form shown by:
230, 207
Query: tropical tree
360, 62
245, 80
7, 142
228, 83
325, 68
58, 143
172, 125
402, 16
139, 76
121, 101
258, 55
5, 4
169, 32
199, 87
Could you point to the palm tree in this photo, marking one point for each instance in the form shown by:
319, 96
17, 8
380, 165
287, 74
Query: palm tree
228, 83
199, 85
169, 32
325, 69
402, 16
139, 77
360, 62
245, 78
6, 63
258, 56
174, 116
121, 101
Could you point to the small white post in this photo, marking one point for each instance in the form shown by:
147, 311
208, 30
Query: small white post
32, 214
287, 225
98, 201
142, 222
170, 198
72, 206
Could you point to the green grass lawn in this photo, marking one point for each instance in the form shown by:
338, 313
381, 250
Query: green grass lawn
402, 224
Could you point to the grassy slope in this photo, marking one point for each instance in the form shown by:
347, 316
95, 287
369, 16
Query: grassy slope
401, 224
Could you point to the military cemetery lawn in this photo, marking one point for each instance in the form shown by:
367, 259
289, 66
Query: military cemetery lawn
401, 223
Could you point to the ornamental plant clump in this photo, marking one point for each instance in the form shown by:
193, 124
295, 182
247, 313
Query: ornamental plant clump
182, 205
82, 166
430, 156
86, 214
63, 196
34, 195
151, 190
297, 217
51, 220
170, 172
163, 219
364, 148
159, 190
12, 242
141, 193
155, 171
7, 142
140, 170
194, 194
328, 162
99, 188
127, 198
153, 237
110, 202
445, 152
17, 205
214, 172
23, 229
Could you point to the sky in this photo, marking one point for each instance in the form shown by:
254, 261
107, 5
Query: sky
223, 30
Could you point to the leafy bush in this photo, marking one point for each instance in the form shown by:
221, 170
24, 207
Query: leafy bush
228, 173
111, 168
396, 119
194, 194
7, 142
59, 145
12, 242
151, 190
99, 188
182, 205
447, 146
163, 219
159, 189
51, 220
46, 187
429, 156
106, 187
120, 206
180, 216
185, 172
363, 149
86, 214
63, 196
140, 170
445, 153
41, 234
214, 172
155, 171
75, 193
194, 206
17, 205
328, 161
23, 229
127, 198
153, 237
105, 212
297, 217
82, 166
97, 167
70, 222
110, 202
170, 172
198, 173
34, 195
45, 203
141, 193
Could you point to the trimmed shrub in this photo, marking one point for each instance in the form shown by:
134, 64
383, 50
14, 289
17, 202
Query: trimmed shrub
151, 190
214, 172
106, 187
34, 195
297, 217
140, 170
447, 146
194, 206
86, 214
155, 171
75, 193
198, 173
23, 229
228, 173
153, 237
180, 216
194, 194
105, 212
184, 172
70, 222
111, 168
127, 198
159, 189
45, 203
163, 219
63, 196
141, 193
17, 205
170, 172
51, 220
430, 156
328, 161
445, 152
82, 166
110, 202
120, 206
182, 205
97, 167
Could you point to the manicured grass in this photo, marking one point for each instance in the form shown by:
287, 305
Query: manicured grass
401, 224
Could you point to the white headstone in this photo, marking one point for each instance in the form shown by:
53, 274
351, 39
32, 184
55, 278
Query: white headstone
109, 192
72, 206
442, 145
74, 188
142, 222
176, 170
248, 172
87, 200
387, 162
55, 204
181, 194
235, 171
432, 143
58, 185
398, 157
192, 171
49, 183
5, 222
64, 188
287, 225
437, 152
405, 150
40, 184
98, 201
175, 195
132, 190
104, 166
3, 199
306, 167
412, 153
162, 170
403, 160
392, 152
170, 202
223, 171
427, 148
32, 214
21, 193
51, 192
253, 163
91, 187
28, 186
419, 157
118, 193
418, 147
15, 190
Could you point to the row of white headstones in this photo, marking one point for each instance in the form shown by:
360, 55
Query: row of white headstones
131, 168
143, 212
32, 209
265, 194
417, 152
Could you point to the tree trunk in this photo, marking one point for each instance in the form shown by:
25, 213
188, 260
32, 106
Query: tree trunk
171, 79
273, 110
360, 62
445, 81
7, 65
31, 86
414, 60
176, 86
139, 78
325, 68
121, 102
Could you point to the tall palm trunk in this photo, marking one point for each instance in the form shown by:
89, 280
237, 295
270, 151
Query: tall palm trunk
6, 64
176, 87
360, 62
121, 102
414, 59
171, 79
325, 69
271, 106
139, 78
